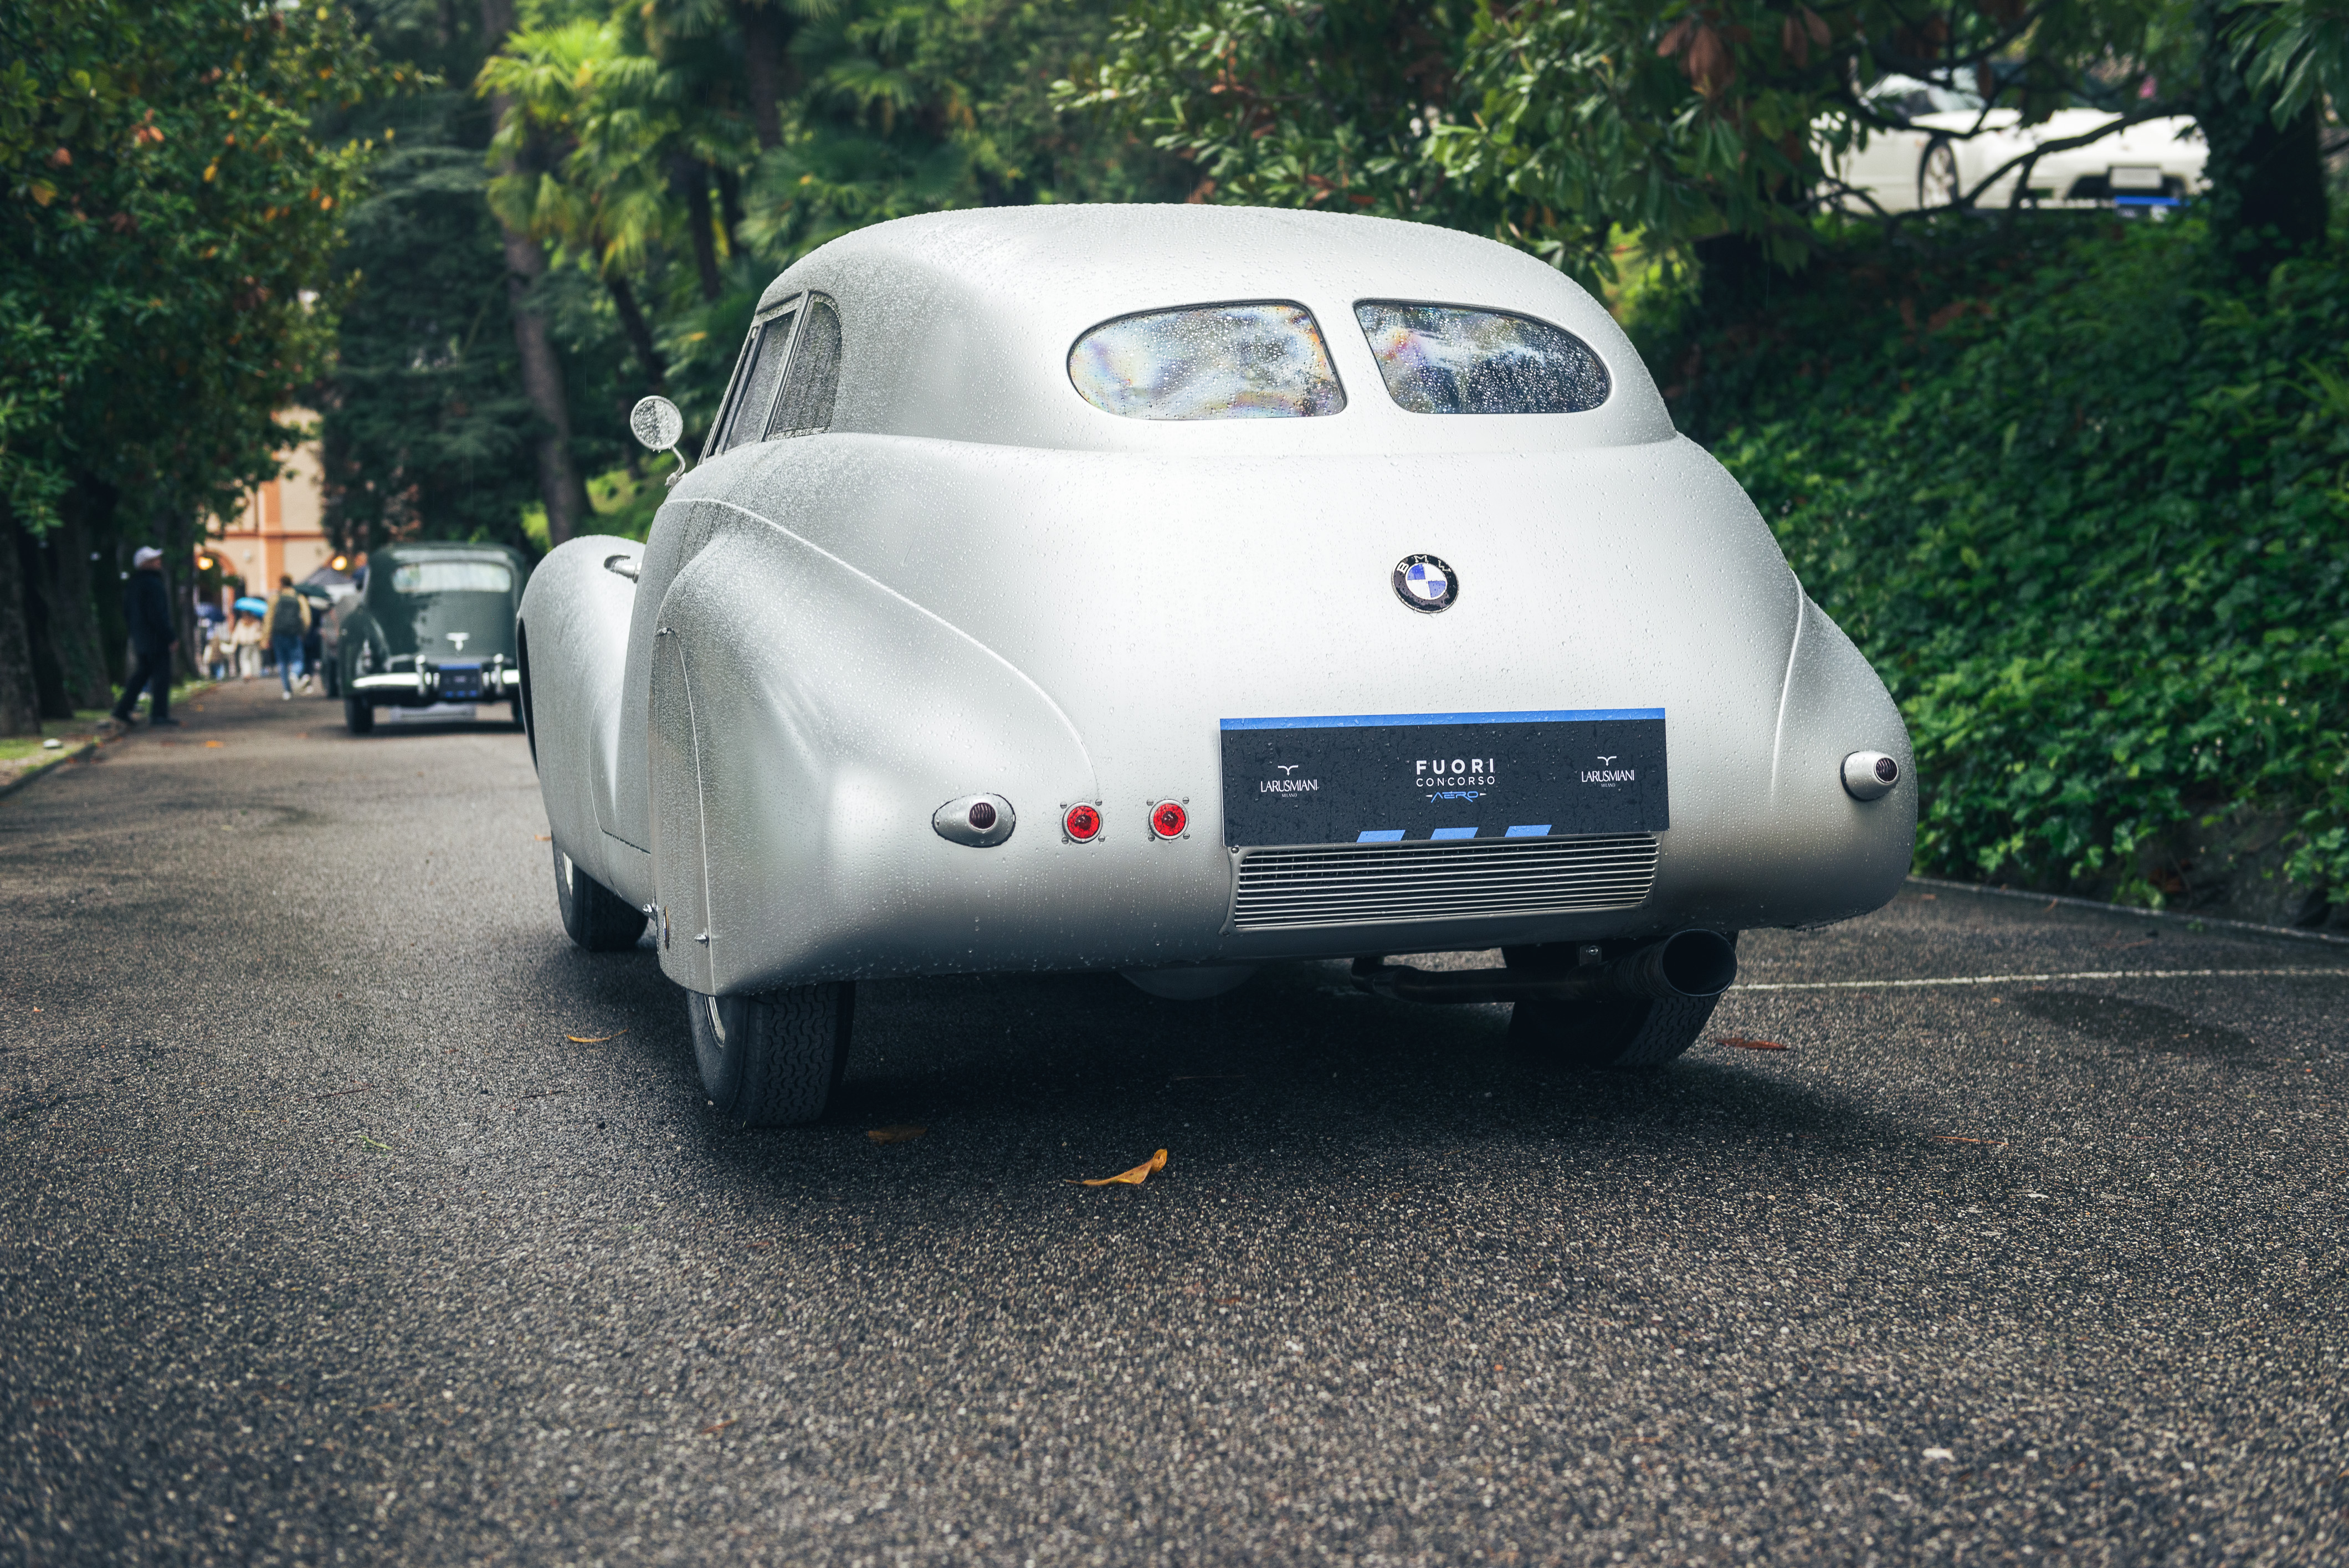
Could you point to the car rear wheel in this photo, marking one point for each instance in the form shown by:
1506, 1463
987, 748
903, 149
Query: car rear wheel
1937, 175
358, 716
595, 918
772, 1059
1593, 1034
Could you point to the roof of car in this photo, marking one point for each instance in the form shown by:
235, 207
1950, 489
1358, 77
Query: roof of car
958, 326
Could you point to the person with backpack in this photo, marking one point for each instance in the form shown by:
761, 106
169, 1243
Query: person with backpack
147, 607
289, 623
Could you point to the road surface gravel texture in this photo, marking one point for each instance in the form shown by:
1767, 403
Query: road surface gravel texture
326, 1244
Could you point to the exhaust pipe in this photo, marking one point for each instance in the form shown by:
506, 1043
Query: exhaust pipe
1694, 964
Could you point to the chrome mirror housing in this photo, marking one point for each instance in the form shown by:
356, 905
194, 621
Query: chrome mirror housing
657, 424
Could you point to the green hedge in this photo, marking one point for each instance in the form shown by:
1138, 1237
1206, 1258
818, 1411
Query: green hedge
2088, 513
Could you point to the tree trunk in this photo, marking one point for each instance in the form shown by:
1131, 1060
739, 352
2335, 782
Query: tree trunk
692, 182
72, 604
559, 485
2266, 199
1734, 277
729, 206
639, 334
20, 698
40, 640
766, 35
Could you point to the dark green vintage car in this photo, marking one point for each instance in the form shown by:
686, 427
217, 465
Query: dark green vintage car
431, 635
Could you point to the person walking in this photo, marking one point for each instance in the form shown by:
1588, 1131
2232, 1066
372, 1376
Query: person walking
245, 641
289, 623
147, 607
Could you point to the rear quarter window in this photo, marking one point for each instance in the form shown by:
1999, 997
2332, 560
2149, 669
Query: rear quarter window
755, 384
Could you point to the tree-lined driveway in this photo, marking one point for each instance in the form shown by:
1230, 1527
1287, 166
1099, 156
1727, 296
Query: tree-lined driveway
353, 1216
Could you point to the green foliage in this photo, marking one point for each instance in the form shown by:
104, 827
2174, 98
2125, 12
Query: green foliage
2294, 52
627, 122
426, 428
426, 424
2088, 516
166, 259
1546, 126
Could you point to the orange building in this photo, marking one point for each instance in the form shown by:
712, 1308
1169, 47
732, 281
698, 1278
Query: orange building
281, 529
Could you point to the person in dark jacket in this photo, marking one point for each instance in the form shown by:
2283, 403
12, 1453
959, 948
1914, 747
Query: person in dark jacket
146, 606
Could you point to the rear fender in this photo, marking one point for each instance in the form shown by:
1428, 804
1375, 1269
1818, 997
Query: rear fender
807, 721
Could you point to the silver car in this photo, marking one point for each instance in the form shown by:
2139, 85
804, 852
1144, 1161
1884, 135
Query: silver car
1175, 590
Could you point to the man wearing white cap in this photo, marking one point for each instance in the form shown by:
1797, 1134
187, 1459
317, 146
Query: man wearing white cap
146, 606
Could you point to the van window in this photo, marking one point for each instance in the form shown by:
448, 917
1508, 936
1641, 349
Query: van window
1241, 361
451, 578
761, 373
1444, 360
809, 390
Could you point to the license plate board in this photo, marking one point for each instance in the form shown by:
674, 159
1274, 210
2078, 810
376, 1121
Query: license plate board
1387, 778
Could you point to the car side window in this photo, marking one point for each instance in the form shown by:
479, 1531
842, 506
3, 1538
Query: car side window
755, 384
1447, 359
809, 390
1263, 360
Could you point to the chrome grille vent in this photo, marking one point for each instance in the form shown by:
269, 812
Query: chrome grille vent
1362, 884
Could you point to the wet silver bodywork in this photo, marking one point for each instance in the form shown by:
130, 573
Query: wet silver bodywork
976, 583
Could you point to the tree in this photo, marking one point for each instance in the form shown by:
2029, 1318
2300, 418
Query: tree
559, 485
1711, 123
2267, 66
166, 267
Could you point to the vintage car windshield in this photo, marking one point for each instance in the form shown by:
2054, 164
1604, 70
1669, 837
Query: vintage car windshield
451, 578
1242, 361
1444, 360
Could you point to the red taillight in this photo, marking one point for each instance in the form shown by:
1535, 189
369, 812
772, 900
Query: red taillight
1082, 824
1168, 819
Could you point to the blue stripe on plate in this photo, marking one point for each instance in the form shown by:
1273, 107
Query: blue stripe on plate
1381, 836
1442, 833
1528, 830
1364, 721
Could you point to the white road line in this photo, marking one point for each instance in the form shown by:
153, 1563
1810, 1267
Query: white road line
2339, 972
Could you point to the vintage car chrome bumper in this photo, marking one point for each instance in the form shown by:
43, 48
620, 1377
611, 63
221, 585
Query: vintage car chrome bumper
494, 682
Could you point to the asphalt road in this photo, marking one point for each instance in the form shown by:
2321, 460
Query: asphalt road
323, 1244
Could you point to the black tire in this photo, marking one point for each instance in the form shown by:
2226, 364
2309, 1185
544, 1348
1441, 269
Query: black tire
772, 1059
1599, 1034
1938, 182
358, 717
595, 918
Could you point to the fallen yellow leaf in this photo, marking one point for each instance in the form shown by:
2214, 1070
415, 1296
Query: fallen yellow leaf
904, 1132
213, 742
592, 1039
1134, 1177
546, 838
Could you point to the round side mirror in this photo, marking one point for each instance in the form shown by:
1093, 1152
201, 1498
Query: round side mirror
655, 423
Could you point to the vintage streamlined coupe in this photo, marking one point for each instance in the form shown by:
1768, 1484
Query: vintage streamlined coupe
1175, 589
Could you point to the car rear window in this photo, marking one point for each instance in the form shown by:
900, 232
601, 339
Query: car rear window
1446, 359
451, 578
1241, 361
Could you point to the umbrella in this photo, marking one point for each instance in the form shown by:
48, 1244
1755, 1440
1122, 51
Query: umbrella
251, 605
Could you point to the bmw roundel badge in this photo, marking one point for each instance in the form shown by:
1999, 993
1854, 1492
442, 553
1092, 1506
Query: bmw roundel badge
1426, 584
